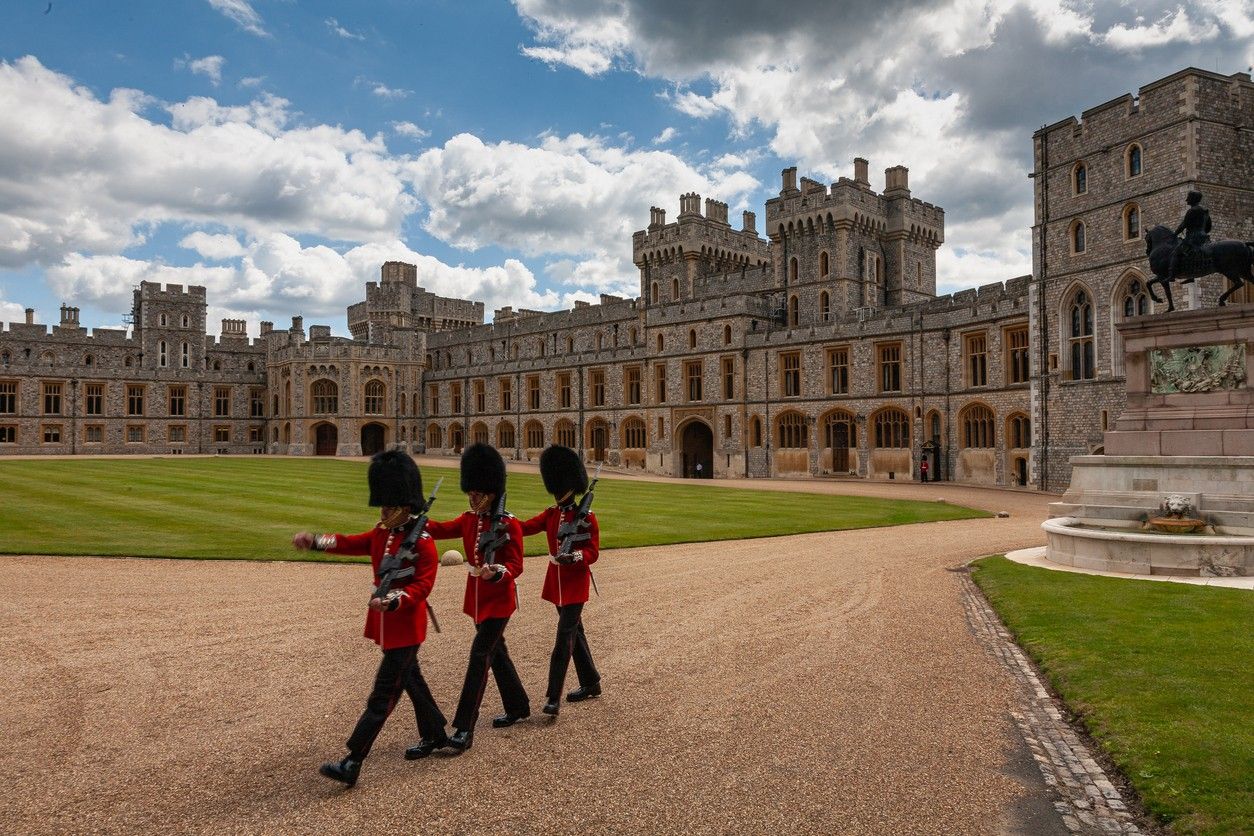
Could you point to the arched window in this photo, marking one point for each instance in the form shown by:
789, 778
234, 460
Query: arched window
1131, 222
792, 270
533, 434
600, 341
675, 289
793, 431
1080, 179
634, 434
564, 434
840, 431
892, 428
793, 311
374, 396
161, 320
287, 398
823, 267
692, 337
540, 346
1132, 159
433, 436
479, 433
325, 396
1018, 431
755, 431
1078, 241
825, 306
653, 293
185, 320
186, 351
727, 335
1130, 300
659, 342
977, 426
934, 426
505, 435
570, 345
1080, 336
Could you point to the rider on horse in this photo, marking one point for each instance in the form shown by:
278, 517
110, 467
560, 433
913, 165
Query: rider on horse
1196, 227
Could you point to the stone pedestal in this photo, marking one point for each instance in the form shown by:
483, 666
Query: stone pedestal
1188, 429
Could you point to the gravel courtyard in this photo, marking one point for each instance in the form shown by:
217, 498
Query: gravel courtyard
824, 683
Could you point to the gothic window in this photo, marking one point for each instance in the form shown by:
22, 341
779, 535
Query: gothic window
1080, 179
755, 431
692, 337
977, 426
727, 337
794, 312
660, 342
505, 435
1080, 337
185, 320
373, 401
824, 306
634, 434
792, 270
892, 428
325, 397
1133, 157
793, 431
823, 265
1131, 222
1132, 300
675, 289
564, 434
1019, 431
1077, 237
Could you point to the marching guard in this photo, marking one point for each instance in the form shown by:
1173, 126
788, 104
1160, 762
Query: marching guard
397, 621
566, 584
492, 539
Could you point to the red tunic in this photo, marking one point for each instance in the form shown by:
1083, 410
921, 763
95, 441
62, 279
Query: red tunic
484, 598
565, 583
407, 624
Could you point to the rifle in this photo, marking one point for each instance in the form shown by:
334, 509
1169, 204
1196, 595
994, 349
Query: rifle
395, 567
576, 530
496, 535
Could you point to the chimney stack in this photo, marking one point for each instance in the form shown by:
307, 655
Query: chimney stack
750, 222
861, 174
30, 316
790, 180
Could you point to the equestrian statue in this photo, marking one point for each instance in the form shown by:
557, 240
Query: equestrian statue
1171, 258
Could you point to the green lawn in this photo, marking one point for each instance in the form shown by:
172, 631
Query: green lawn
1161, 673
249, 507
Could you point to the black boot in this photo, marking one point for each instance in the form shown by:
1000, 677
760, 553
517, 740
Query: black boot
584, 692
425, 747
508, 719
461, 739
344, 771
551, 706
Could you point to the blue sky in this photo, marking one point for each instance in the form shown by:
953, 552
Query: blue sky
278, 151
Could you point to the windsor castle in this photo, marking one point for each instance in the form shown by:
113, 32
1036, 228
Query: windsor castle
820, 349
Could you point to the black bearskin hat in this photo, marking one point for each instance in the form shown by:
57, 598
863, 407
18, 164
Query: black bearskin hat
1193, 198
395, 480
562, 471
483, 470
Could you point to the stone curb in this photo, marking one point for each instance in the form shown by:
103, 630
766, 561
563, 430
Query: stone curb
1085, 798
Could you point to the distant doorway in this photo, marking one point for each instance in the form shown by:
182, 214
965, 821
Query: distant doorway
326, 439
600, 440
372, 439
697, 451
1021, 471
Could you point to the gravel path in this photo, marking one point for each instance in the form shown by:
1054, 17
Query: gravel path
816, 683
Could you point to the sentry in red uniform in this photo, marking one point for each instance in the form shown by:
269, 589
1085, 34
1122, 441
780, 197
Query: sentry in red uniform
491, 596
484, 597
566, 584
398, 622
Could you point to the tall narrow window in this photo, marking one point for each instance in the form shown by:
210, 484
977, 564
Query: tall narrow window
1080, 337
728, 366
455, 395
597, 381
1078, 239
977, 427
507, 394
8, 397
838, 371
1017, 354
326, 397
481, 396
533, 392
890, 367
823, 264
692, 374
794, 312
1134, 160
632, 384
1080, 178
178, 400
564, 399
221, 401
135, 400
186, 361
94, 398
824, 306
659, 377
162, 356
977, 359
1131, 222
790, 374
372, 403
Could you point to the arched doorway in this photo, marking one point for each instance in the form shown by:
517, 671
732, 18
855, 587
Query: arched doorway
372, 439
326, 439
598, 439
697, 448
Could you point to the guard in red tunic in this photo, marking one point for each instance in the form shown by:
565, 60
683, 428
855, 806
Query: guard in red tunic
493, 540
398, 622
566, 584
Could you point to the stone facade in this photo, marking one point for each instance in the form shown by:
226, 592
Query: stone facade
819, 349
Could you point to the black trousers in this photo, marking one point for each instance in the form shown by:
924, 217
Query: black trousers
571, 643
488, 652
398, 672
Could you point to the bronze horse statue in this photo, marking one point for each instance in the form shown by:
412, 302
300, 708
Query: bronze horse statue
1231, 258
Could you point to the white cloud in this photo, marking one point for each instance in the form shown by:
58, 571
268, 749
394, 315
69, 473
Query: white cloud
381, 90
79, 174
665, 136
334, 26
409, 129
1167, 29
213, 247
244, 15
11, 312
210, 67
252, 81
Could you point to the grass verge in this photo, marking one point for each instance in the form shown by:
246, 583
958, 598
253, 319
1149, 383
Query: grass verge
1162, 675
249, 507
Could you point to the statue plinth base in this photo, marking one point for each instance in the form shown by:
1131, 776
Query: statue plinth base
1188, 429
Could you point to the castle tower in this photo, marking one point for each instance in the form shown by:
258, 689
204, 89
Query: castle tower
672, 257
170, 325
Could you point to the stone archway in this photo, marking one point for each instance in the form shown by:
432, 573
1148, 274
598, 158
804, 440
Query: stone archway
326, 439
373, 439
696, 447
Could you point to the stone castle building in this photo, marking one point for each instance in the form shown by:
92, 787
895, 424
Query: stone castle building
821, 349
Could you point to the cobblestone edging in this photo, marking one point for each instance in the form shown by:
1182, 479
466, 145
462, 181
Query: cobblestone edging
1086, 799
